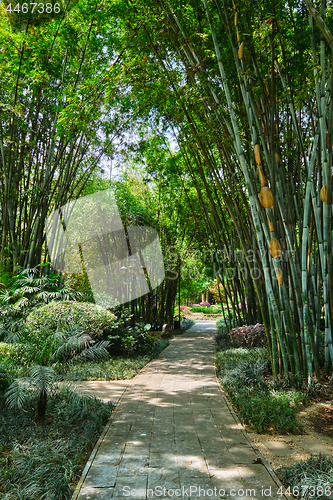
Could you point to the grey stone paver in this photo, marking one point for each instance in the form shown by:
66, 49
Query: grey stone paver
174, 435
314, 447
280, 448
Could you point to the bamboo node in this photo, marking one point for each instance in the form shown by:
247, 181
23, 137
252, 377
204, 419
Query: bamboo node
279, 277
266, 197
275, 248
240, 51
271, 227
257, 154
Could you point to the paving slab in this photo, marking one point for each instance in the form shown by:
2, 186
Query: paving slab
314, 447
280, 448
173, 433
106, 391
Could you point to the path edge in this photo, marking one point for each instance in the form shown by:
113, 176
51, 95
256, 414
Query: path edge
107, 426
255, 448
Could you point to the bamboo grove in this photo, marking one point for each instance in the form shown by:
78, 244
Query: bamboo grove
245, 89
247, 92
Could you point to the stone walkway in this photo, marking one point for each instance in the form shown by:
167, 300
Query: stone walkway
174, 435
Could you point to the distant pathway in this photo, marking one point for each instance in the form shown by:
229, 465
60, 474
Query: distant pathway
173, 434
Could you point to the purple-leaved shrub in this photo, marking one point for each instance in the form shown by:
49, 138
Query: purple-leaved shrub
248, 335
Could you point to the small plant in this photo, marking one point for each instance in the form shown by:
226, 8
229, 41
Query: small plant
183, 310
268, 412
30, 288
131, 340
248, 374
44, 349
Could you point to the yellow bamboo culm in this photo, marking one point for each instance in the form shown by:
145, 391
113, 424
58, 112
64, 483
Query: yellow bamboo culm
279, 277
236, 18
257, 154
233, 3
240, 51
278, 158
237, 33
271, 227
275, 248
262, 177
266, 197
266, 89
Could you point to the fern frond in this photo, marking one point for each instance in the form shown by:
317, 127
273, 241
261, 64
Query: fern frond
16, 395
42, 377
94, 353
22, 302
73, 345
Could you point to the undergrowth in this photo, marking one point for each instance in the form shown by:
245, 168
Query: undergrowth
118, 368
243, 375
312, 478
42, 461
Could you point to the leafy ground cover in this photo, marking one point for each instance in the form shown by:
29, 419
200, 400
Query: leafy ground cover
311, 478
44, 461
267, 406
121, 367
260, 403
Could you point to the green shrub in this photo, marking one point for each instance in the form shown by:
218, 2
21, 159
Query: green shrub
267, 412
131, 340
92, 319
311, 478
248, 374
207, 310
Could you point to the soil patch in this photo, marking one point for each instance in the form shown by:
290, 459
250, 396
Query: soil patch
322, 419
